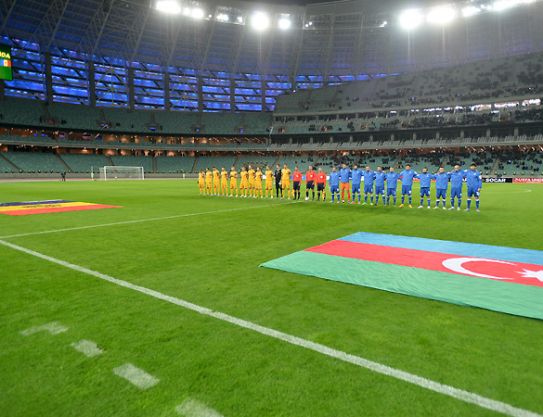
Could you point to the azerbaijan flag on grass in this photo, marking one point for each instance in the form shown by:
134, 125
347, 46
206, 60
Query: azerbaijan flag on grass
498, 278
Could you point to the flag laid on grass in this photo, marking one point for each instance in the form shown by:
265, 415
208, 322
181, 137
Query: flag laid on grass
498, 278
25, 208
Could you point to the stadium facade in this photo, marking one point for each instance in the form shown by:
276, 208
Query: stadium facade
116, 79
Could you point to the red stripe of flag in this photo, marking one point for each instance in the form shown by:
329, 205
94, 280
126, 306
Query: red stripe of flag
504, 271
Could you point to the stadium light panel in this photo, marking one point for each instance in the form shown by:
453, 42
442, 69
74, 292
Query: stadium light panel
197, 13
469, 11
168, 6
441, 15
383, 24
260, 21
411, 19
223, 17
284, 22
501, 5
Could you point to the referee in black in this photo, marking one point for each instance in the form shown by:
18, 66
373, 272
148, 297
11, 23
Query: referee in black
277, 174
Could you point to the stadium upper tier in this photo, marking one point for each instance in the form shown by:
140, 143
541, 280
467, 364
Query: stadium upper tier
480, 82
21, 112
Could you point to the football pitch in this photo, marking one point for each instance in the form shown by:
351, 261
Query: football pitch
160, 308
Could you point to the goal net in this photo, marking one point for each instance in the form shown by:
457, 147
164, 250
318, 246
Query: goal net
121, 173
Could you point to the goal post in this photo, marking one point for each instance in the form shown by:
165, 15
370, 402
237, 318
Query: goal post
108, 173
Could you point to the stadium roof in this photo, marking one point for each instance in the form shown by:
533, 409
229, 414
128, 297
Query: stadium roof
344, 37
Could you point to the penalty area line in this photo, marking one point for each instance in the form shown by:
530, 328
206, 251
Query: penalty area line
448, 390
149, 219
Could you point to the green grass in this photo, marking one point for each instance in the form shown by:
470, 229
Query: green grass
212, 260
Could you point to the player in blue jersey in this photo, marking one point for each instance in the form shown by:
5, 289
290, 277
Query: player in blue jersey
356, 176
392, 184
425, 179
474, 181
344, 178
442, 183
407, 176
334, 184
380, 178
457, 181
369, 178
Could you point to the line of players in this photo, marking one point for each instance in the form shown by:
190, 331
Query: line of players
342, 182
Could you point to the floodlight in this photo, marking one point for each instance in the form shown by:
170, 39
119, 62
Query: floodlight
383, 24
469, 11
260, 21
411, 19
197, 13
500, 5
441, 15
223, 17
168, 6
284, 22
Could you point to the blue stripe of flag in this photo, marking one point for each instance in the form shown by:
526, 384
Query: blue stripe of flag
33, 203
504, 253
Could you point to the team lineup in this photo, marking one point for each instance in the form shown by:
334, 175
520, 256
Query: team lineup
362, 186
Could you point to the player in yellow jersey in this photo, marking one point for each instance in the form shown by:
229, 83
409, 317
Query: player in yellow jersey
202, 182
244, 184
269, 182
258, 183
251, 173
216, 181
233, 182
285, 181
224, 182
209, 182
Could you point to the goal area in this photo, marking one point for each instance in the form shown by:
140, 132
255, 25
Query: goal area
108, 173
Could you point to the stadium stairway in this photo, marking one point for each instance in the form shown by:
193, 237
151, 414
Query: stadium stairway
11, 164
63, 162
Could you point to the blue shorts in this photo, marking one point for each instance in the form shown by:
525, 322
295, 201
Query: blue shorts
368, 188
406, 189
391, 191
456, 192
472, 192
334, 189
356, 188
441, 193
379, 190
425, 191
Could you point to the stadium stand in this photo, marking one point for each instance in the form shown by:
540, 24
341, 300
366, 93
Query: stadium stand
134, 161
23, 112
85, 163
174, 164
493, 79
36, 162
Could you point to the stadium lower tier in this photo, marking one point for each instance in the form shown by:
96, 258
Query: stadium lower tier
506, 161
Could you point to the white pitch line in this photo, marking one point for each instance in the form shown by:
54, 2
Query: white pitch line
87, 348
136, 376
450, 391
194, 408
149, 219
52, 328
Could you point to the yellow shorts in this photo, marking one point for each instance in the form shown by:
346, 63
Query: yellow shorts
258, 186
243, 186
285, 184
233, 185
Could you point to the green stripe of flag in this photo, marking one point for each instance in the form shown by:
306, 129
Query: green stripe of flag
520, 300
